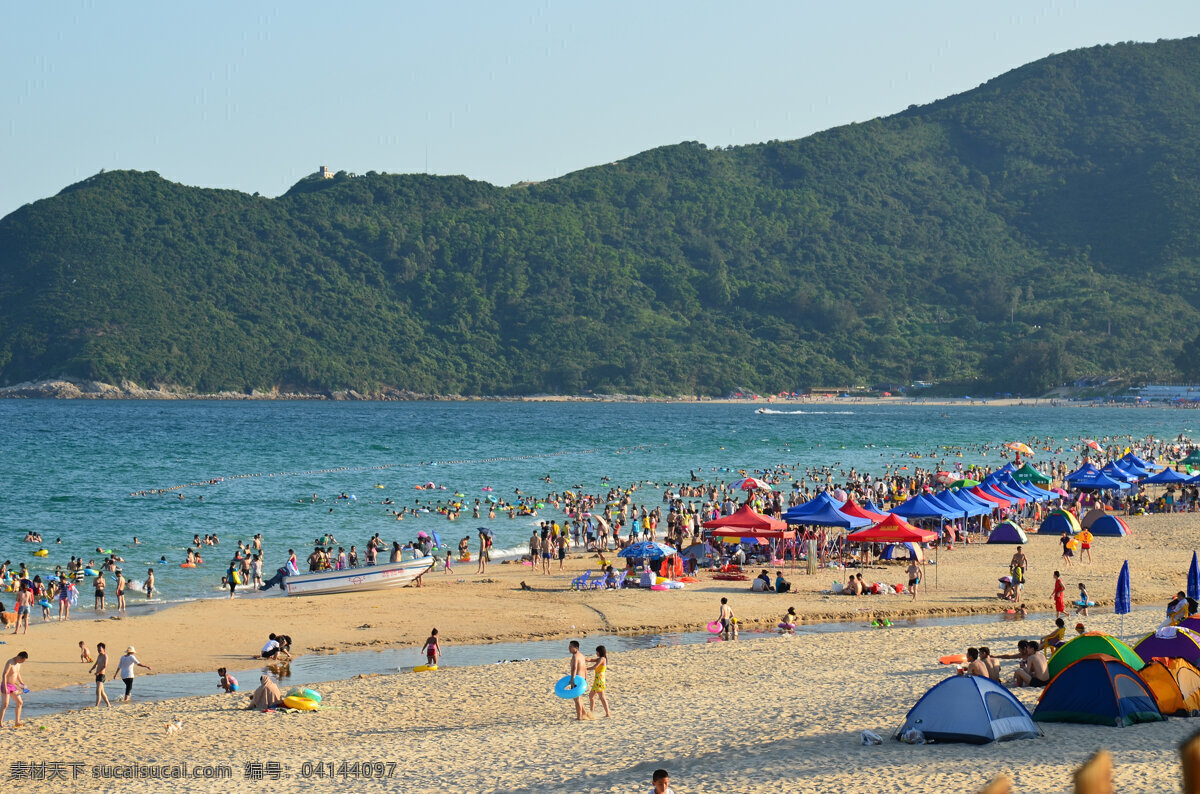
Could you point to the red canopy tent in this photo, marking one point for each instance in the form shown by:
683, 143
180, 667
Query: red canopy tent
982, 494
745, 523
851, 508
748, 523
892, 529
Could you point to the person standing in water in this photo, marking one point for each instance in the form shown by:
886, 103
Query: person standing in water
120, 590
100, 668
149, 583
484, 543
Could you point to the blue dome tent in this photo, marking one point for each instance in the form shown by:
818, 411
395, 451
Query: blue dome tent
970, 709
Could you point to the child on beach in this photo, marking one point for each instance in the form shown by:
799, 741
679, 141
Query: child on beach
726, 619
600, 666
226, 681
1081, 604
84, 654
432, 650
787, 623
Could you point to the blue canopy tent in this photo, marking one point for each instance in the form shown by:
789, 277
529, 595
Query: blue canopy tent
828, 517
820, 502
957, 499
967, 497
1017, 486
1129, 457
1117, 473
1132, 468
1029, 491
1097, 482
921, 506
871, 507
996, 490
1166, 477
1085, 471
952, 510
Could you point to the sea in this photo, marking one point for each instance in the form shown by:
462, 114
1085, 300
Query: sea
91, 475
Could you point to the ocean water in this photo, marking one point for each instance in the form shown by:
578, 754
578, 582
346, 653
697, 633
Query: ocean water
69, 469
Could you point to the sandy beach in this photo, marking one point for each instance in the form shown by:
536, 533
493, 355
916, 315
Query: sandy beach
785, 712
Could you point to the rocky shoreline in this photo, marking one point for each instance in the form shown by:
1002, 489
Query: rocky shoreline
73, 389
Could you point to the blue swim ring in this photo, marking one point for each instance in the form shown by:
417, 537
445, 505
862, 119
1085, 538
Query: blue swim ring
570, 688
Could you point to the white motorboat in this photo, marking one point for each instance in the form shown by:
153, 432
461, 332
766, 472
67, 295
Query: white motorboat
384, 576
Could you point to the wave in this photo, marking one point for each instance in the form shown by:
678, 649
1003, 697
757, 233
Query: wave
773, 412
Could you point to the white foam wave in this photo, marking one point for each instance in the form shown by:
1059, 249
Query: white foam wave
773, 412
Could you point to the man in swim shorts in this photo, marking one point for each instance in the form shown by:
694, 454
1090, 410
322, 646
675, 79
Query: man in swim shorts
577, 668
100, 667
726, 619
1033, 672
24, 604
11, 687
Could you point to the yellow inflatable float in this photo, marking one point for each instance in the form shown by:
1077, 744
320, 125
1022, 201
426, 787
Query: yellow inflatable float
299, 703
41, 553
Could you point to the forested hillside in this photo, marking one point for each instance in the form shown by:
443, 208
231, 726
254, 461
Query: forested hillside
1042, 226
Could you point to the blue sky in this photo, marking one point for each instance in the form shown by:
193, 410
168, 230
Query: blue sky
254, 95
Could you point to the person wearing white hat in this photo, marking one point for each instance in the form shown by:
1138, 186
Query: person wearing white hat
125, 669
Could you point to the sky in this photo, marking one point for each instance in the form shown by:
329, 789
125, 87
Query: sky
255, 95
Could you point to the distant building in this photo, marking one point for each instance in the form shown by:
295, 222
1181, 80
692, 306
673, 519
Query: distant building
325, 172
1169, 392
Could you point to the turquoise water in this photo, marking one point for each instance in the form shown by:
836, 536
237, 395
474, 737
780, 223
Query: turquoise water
68, 469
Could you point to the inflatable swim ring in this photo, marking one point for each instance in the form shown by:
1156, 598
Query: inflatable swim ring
299, 703
41, 553
187, 565
659, 587
1080, 603
570, 688
954, 658
90, 572
45, 602
308, 694
714, 627
425, 668
787, 626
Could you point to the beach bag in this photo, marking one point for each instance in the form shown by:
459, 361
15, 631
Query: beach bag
837, 588
237, 578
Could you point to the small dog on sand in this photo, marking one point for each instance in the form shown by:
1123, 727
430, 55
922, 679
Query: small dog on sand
174, 727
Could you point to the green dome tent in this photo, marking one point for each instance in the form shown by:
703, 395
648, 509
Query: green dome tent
1088, 644
1028, 474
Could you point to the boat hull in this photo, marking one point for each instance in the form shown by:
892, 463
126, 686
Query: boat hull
358, 580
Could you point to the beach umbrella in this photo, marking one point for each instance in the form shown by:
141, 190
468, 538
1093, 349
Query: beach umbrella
1122, 605
1193, 584
966, 482
646, 549
946, 477
751, 484
1019, 448
1092, 445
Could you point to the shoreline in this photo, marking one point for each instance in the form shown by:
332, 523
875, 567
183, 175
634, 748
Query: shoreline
78, 389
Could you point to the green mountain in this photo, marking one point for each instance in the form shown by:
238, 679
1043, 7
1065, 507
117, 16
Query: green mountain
1042, 226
